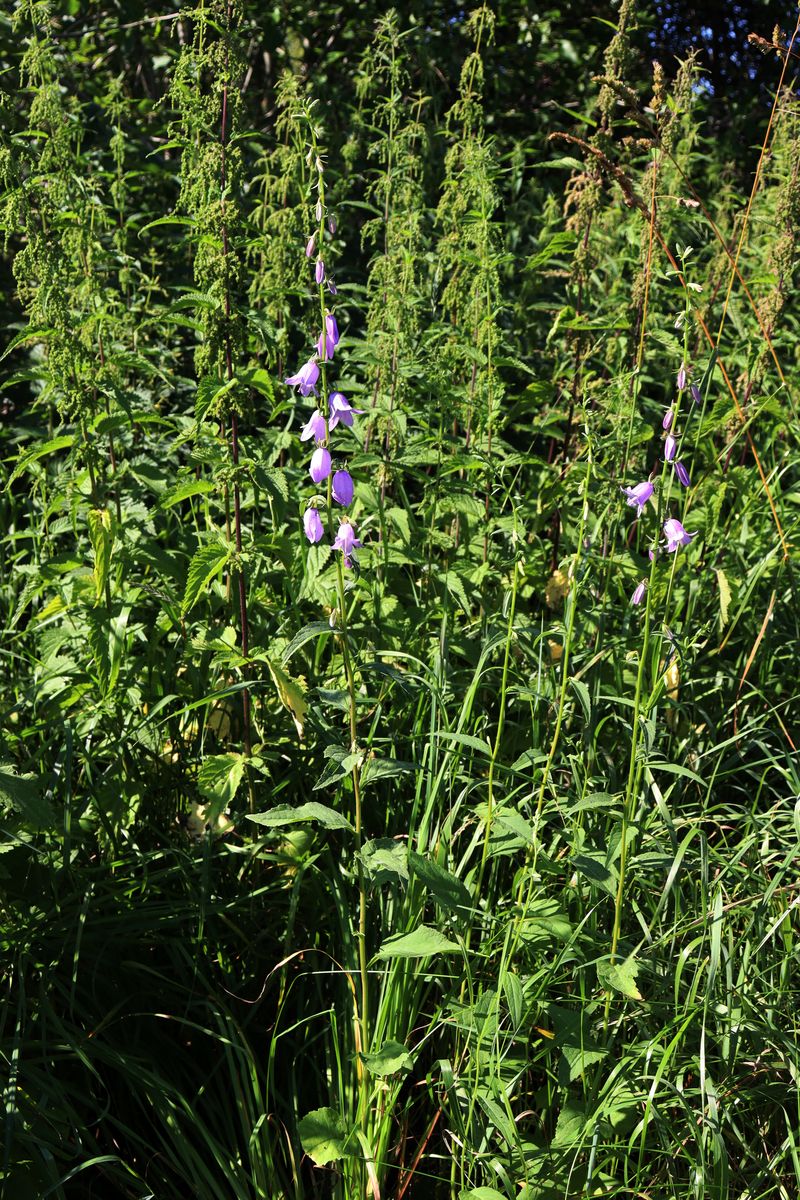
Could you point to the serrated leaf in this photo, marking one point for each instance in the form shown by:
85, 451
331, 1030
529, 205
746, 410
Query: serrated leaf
185, 490
391, 1058
385, 768
99, 521
422, 942
30, 456
724, 597
384, 860
306, 634
23, 793
206, 562
291, 696
448, 891
97, 637
286, 814
324, 1136
620, 977
218, 782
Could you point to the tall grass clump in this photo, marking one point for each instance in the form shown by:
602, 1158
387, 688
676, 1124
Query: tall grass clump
399, 705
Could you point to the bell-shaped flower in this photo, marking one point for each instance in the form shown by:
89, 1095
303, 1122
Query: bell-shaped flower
639, 495
695, 390
346, 541
683, 474
312, 524
319, 271
328, 341
682, 377
341, 410
676, 535
314, 427
320, 467
638, 594
670, 447
342, 488
667, 419
305, 378
310, 245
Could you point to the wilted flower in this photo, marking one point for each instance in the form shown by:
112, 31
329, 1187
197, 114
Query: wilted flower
310, 245
305, 378
330, 339
320, 467
312, 523
639, 495
342, 488
332, 224
695, 390
676, 535
670, 446
682, 377
346, 541
319, 271
331, 287
341, 410
314, 427
667, 419
683, 474
318, 210
638, 594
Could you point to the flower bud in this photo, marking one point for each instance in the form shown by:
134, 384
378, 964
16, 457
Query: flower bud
670, 447
667, 419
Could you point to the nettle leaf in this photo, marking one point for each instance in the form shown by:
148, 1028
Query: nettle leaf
384, 860
218, 781
23, 794
97, 637
448, 891
324, 1136
99, 520
207, 562
185, 490
422, 942
286, 814
44, 448
620, 977
341, 764
307, 633
291, 696
389, 1060
385, 768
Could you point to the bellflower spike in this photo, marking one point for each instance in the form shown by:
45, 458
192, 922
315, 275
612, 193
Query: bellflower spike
341, 411
310, 245
670, 447
346, 541
639, 495
695, 390
305, 378
683, 474
312, 523
676, 535
682, 377
314, 427
319, 271
667, 419
342, 488
320, 467
638, 595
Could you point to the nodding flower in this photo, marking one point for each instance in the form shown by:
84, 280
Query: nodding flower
639, 495
638, 594
320, 467
342, 488
695, 390
310, 245
676, 535
305, 378
314, 427
683, 474
319, 271
329, 340
312, 524
670, 447
682, 377
341, 410
346, 541
667, 419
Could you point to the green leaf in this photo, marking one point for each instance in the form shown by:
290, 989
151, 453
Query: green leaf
447, 890
23, 793
307, 633
291, 696
99, 520
570, 1125
384, 860
185, 489
324, 1136
620, 977
207, 562
422, 942
218, 781
385, 768
582, 692
391, 1058
480, 1193
97, 637
25, 460
724, 597
285, 814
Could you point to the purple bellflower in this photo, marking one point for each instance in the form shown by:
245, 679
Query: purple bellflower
670, 447
341, 410
676, 535
638, 595
695, 390
314, 427
319, 271
318, 210
310, 245
667, 419
328, 341
346, 541
312, 524
331, 287
683, 474
320, 467
682, 377
305, 378
639, 495
342, 488
332, 224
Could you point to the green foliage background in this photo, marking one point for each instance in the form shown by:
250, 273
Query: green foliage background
454, 874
